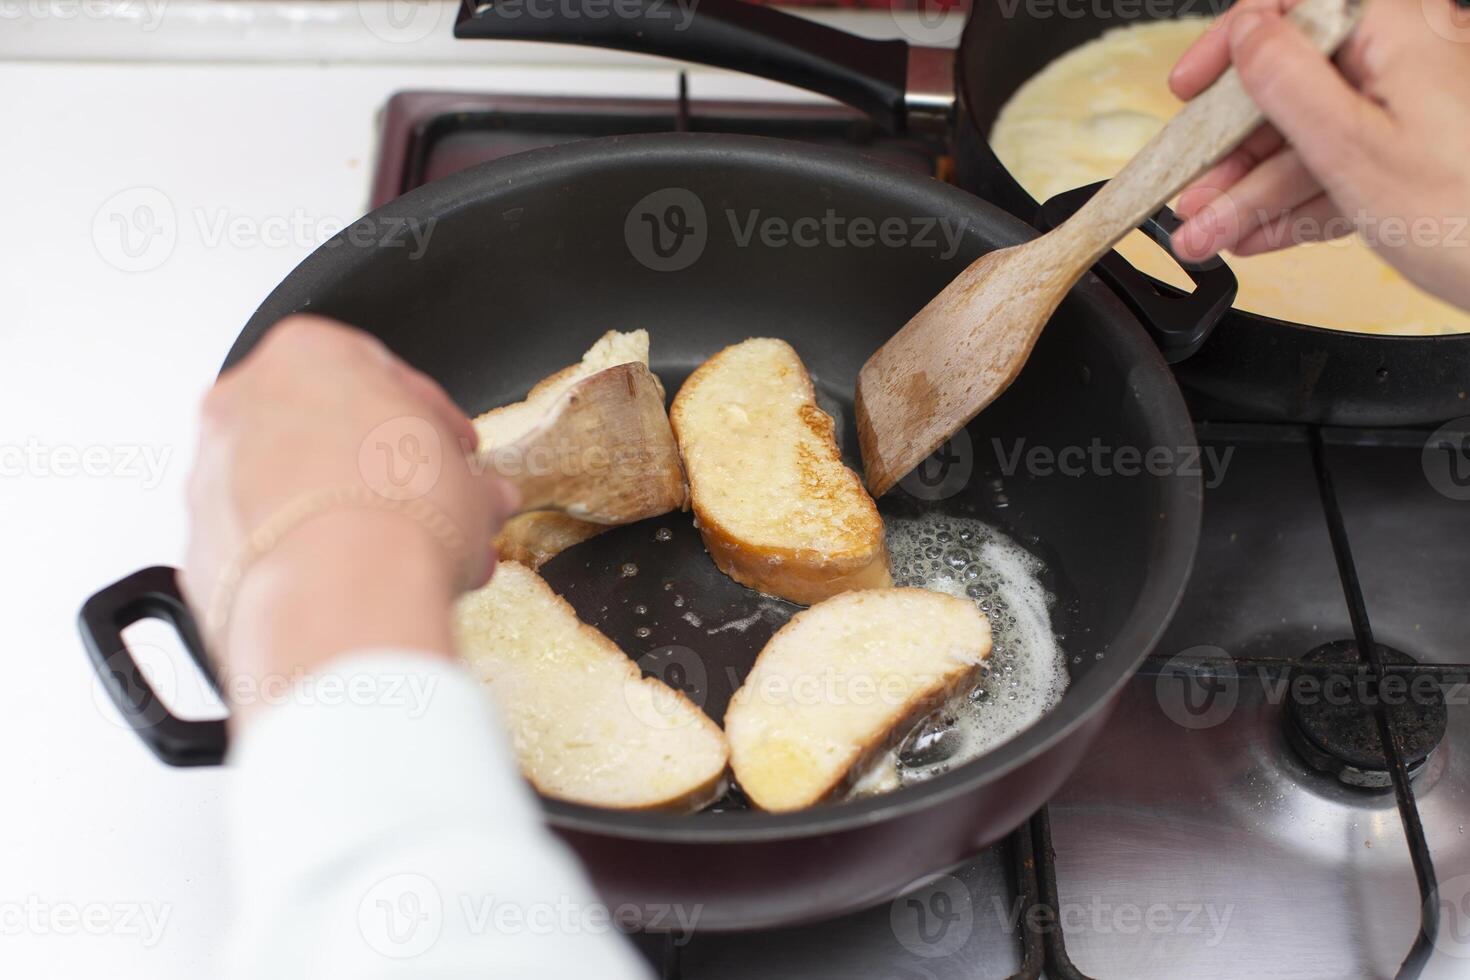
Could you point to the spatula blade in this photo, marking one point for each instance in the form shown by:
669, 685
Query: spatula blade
952, 359
605, 453
963, 349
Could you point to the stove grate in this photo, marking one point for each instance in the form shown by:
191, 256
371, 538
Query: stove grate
1388, 731
1040, 935
418, 129
1037, 872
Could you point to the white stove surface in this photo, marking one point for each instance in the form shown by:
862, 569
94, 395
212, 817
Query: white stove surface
149, 206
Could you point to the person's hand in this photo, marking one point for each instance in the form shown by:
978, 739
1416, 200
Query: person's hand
361, 464
1378, 148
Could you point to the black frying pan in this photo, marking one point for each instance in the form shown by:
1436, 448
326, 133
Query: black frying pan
1250, 367
530, 260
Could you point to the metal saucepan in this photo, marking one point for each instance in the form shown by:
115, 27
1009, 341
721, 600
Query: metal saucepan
1250, 367
532, 257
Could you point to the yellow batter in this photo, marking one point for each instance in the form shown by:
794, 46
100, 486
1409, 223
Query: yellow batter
1088, 112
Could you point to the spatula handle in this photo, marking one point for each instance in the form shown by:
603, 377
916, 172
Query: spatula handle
604, 453
1199, 135
537, 490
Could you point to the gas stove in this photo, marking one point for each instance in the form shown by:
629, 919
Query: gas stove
1240, 815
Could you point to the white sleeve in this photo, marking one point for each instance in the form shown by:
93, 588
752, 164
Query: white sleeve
379, 829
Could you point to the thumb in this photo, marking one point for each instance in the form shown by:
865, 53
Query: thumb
502, 500
505, 499
1333, 127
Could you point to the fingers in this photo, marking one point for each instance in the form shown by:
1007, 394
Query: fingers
437, 400
510, 498
1202, 62
1208, 57
1272, 188
293, 334
505, 501
1331, 131
1258, 146
1314, 220
1332, 126
492, 558
304, 330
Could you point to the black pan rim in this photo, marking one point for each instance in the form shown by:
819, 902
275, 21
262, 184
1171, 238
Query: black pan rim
1357, 336
1170, 563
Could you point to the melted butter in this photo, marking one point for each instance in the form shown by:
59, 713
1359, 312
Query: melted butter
1026, 673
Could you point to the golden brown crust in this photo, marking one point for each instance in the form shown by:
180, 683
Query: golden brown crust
803, 579
801, 575
534, 539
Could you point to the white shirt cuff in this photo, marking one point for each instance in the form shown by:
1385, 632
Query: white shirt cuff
379, 828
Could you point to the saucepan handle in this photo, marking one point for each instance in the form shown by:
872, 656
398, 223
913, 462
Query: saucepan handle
1179, 322
867, 74
150, 593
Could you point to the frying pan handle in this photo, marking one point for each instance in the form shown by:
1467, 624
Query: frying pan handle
870, 75
1179, 322
150, 593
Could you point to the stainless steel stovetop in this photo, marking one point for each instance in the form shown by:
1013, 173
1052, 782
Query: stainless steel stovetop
1220, 827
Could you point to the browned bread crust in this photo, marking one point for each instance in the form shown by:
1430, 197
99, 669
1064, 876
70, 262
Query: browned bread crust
778, 509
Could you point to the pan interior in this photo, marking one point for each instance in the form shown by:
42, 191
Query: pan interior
532, 258
653, 589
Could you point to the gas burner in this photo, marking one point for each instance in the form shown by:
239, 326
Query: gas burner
1332, 723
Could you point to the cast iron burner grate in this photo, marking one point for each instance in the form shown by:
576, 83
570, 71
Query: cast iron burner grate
1333, 725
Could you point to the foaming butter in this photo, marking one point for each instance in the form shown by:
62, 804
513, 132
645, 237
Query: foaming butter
1026, 673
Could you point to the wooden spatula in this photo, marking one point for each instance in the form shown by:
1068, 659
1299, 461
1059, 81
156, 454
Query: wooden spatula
604, 453
966, 346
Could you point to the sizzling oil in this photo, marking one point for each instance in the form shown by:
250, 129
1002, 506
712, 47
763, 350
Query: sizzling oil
1026, 673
